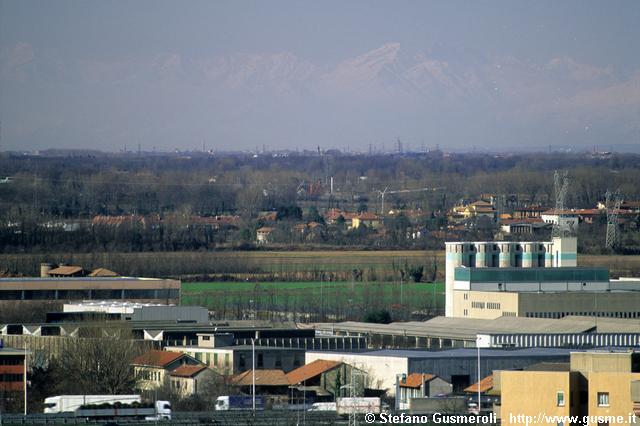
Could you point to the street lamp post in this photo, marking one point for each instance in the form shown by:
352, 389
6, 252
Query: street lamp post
26, 360
253, 372
478, 346
399, 377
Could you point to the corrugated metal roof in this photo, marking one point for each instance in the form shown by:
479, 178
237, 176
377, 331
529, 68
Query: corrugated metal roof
461, 353
466, 328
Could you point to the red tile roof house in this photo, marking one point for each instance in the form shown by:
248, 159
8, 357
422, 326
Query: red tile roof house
264, 234
412, 387
193, 379
323, 378
153, 368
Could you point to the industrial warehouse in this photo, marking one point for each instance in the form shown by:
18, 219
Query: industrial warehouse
487, 280
74, 283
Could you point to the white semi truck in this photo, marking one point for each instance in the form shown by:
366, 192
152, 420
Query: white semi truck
108, 406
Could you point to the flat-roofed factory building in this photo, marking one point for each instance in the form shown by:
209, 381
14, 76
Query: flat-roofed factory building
488, 280
90, 288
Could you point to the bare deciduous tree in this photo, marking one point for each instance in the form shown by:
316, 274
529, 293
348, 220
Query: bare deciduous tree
98, 364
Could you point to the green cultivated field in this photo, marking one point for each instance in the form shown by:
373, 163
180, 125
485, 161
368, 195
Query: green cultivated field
343, 299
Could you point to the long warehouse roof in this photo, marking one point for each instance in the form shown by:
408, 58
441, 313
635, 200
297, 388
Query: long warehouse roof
469, 328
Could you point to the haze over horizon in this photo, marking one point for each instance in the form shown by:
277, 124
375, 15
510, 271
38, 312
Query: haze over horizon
293, 74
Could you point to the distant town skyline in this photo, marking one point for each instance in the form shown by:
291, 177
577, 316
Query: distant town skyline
240, 75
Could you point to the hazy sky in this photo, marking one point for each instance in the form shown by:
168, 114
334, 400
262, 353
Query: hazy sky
286, 74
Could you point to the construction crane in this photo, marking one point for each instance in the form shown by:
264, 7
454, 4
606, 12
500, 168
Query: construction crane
402, 191
613, 200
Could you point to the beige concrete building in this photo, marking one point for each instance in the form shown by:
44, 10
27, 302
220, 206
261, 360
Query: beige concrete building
556, 304
488, 280
598, 387
218, 352
559, 253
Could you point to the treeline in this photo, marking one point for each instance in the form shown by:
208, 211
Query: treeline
48, 203
71, 187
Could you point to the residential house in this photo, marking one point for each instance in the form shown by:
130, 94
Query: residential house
567, 219
417, 385
476, 209
263, 235
370, 220
323, 378
333, 217
192, 379
489, 399
528, 212
153, 368
267, 382
67, 271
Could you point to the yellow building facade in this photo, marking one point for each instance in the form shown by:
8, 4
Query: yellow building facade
599, 388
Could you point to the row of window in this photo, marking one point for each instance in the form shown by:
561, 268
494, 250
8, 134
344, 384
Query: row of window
11, 377
212, 359
504, 313
178, 384
89, 294
10, 360
145, 374
602, 398
482, 305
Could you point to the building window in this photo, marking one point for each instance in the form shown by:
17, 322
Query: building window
260, 360
560, 399
466, 312
603, 399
